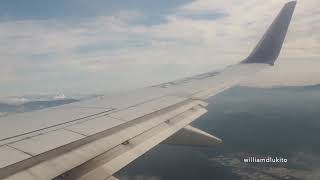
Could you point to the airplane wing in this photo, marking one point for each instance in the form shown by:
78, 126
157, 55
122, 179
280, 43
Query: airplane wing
93, 139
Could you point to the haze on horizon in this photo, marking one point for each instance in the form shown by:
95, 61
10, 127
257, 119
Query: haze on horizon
106, 46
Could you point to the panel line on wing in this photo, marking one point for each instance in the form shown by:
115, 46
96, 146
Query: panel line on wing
107, 138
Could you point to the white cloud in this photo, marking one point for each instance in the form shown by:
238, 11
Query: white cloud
100, 43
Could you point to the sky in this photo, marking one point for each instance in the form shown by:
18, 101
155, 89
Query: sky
98, 46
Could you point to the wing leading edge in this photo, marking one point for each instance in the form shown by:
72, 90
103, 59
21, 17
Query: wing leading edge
101, 136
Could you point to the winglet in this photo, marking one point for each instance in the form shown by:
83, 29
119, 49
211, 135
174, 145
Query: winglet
268, 48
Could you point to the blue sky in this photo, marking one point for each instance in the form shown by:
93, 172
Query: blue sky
156, 11
78, 9
80, 46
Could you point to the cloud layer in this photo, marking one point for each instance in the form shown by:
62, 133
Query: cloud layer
97, 48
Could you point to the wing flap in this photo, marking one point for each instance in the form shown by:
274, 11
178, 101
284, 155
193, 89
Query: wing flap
106, 164
43, 143
60, 160
191, 136
112, 178
10, 155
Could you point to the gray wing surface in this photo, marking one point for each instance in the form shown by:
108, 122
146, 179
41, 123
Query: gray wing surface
94, 139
